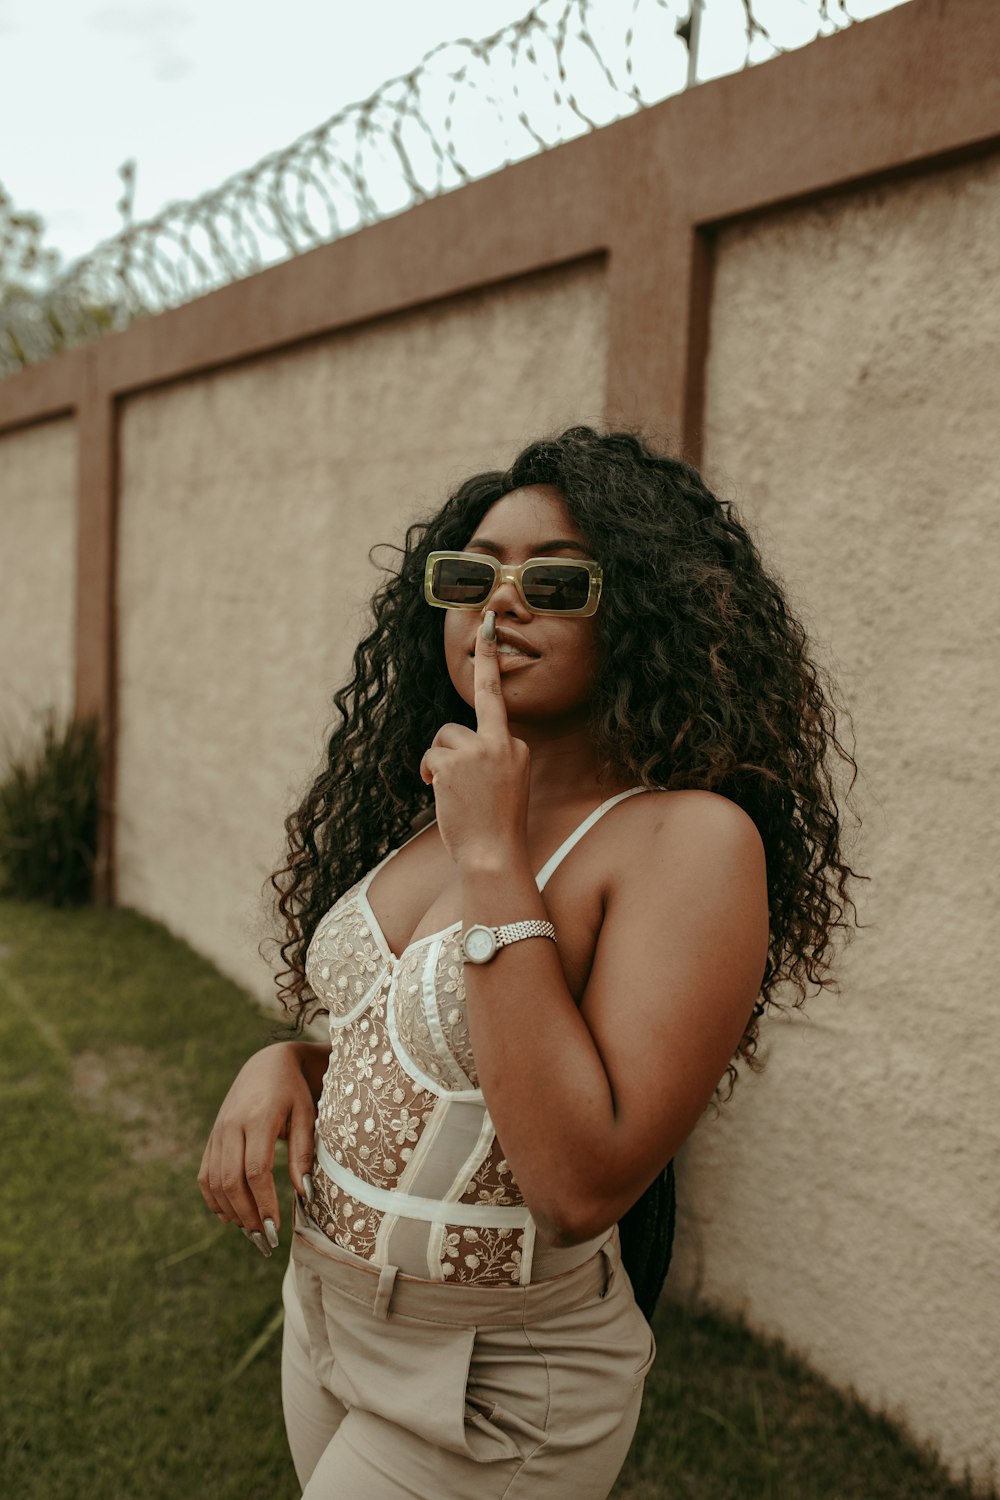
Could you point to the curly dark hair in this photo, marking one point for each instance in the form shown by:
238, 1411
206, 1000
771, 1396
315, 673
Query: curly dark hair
705, 681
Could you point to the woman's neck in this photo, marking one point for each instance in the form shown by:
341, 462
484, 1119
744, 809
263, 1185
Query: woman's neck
565, 766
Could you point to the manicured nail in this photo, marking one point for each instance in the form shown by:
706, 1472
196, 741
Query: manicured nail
490, 626
261, 1244
271, 1233
307, 1185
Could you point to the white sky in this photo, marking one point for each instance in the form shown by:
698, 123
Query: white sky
196, 90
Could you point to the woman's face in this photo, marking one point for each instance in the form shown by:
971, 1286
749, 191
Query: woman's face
554, 681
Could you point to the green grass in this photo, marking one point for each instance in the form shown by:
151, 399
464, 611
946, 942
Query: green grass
127, 1311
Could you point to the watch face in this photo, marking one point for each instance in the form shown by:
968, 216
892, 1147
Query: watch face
480, 945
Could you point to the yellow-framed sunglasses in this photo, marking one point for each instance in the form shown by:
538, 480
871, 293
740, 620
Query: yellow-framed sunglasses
547, 585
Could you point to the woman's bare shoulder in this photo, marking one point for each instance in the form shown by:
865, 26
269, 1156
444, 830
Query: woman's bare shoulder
690, 805
672, 822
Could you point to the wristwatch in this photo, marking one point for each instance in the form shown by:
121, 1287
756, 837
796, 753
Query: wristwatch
481, 943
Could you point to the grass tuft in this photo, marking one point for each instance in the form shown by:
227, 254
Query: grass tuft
48, 814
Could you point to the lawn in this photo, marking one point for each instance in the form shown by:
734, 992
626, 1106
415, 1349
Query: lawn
139, 1340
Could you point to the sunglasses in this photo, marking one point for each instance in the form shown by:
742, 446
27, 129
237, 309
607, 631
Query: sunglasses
547, 586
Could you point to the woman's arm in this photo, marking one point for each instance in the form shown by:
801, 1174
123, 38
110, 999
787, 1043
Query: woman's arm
591, 1103
273, 1097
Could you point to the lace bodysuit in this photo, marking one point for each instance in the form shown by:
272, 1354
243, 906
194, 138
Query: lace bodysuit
408, 1170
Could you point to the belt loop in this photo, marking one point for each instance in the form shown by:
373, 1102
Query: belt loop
383, 1292
610, 1262
527, 1253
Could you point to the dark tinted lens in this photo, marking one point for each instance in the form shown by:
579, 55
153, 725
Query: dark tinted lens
556, 586
461, 580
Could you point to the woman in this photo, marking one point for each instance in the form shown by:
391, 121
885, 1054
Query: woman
575, 826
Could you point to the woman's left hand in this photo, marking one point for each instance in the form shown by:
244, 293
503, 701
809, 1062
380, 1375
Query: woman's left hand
480, 777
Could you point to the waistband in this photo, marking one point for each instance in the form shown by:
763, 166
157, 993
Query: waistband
385, 1289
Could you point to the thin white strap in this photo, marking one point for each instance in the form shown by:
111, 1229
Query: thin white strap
553, 864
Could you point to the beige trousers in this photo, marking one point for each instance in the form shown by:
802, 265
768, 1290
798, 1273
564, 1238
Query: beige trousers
398, 1387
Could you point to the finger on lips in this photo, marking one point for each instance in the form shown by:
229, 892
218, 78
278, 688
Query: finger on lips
491, 711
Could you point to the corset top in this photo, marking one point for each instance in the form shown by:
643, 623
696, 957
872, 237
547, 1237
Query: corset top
349, 964
408, 1168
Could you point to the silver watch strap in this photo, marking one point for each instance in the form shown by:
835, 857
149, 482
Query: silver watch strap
511, 932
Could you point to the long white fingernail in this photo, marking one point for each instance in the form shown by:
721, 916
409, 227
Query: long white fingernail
490, 626
271, 1233
307, 1184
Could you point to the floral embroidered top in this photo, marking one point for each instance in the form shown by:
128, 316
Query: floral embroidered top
408, 1169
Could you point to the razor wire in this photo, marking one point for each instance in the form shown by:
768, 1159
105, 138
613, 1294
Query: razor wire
469, 108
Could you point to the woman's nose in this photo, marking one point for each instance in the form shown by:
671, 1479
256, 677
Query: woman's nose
506, 600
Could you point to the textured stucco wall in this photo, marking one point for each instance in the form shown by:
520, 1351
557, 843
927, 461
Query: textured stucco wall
849, 1198
37, 575
249, 502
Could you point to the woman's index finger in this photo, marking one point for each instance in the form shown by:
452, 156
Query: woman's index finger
491, 711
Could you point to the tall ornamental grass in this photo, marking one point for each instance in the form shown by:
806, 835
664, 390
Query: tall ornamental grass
48, 813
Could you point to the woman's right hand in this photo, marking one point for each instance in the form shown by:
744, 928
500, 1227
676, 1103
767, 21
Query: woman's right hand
272, 1097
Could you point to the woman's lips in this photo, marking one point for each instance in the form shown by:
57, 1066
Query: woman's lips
510, 643
507, 660
507, 663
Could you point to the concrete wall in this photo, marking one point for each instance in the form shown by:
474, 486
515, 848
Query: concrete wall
848, 1198
38, 489
249, 500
